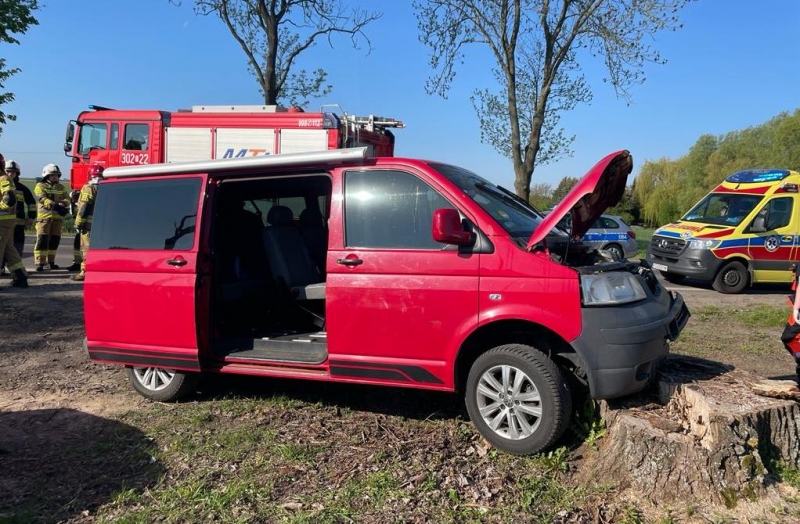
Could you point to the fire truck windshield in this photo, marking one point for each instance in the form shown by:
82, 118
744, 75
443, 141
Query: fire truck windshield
515, 216
92, 136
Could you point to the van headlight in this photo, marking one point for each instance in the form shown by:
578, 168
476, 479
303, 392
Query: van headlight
610, 288
703, 244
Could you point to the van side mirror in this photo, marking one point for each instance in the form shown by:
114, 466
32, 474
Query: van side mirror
446, 228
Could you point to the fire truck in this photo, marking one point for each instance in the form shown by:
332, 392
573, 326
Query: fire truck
111, 137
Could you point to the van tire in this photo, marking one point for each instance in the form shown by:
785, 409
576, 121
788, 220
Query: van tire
732, 278
161, 385
537, 373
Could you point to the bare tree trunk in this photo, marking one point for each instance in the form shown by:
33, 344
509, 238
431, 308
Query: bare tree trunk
710, 438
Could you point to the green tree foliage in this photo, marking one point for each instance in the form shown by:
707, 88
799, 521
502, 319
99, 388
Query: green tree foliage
274, 33
628, 207
564, 186
668, 188
541, 196
537, 46
15, 18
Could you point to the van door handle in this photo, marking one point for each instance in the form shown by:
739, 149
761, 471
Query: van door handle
350, 261
180, 261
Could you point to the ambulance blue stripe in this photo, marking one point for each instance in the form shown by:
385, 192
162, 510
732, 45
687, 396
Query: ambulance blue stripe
736, 242
785, 240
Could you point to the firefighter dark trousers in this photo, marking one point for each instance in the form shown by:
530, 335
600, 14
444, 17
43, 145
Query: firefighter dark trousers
84, 249
9, 252
790, 338
19, 243
48, 237
77, 250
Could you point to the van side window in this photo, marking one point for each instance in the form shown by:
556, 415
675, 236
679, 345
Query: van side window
153, 214
389, 209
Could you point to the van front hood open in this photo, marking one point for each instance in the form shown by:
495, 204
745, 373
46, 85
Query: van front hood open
602, 187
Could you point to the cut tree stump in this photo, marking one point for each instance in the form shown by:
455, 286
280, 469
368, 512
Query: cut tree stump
707, 434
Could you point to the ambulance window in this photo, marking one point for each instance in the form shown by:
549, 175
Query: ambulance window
152, 214
779, 213
136, 137
390, 209
93, 136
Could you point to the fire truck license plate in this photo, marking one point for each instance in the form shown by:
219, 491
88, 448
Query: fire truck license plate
660, 267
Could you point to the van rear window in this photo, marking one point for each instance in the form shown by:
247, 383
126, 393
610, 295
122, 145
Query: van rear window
152, 214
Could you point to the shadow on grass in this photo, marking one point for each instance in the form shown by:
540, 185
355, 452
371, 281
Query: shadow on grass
410, 403
56, 464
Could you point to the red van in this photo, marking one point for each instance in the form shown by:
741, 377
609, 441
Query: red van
390, 271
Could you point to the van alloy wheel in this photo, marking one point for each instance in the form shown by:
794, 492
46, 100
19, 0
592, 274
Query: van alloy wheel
163, 385
509, 402
154, 379
518, 399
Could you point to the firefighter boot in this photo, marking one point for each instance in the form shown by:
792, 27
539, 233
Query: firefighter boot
20, 279
76, 266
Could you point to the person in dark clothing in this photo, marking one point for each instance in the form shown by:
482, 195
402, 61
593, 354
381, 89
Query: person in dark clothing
791, 332
26, 209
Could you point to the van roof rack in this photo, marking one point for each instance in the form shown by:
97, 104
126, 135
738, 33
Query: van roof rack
331, 156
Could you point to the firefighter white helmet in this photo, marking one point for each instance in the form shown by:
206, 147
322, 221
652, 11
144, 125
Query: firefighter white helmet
51, 169
11, 165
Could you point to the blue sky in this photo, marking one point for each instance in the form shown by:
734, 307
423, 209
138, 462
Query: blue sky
735, 64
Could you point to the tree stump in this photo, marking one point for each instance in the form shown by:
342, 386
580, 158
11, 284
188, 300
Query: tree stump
706, 433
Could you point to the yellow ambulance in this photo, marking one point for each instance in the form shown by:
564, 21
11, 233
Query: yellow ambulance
745, 231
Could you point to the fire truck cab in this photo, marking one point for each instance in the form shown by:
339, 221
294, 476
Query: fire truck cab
114, 138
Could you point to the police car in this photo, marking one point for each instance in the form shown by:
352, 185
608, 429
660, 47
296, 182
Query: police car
608, 232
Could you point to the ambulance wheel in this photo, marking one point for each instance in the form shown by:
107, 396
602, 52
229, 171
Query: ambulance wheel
732, 278
672, 277
616, 251
162, 385
518, 399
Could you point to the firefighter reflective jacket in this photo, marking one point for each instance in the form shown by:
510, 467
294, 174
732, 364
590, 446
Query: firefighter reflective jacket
26, 203
8, 199
53, 200
83, 218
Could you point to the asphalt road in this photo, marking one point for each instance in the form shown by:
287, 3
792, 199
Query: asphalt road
63, 255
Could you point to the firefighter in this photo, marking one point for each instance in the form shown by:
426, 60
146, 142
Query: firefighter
26, 209
53, 206
77, 256
8, 220
83, 218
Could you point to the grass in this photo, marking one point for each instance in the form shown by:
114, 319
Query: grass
248, 459
643, 236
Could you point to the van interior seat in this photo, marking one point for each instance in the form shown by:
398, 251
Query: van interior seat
315, 235
289, 257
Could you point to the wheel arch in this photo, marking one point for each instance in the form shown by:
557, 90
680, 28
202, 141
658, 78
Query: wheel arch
510, 331
746, 262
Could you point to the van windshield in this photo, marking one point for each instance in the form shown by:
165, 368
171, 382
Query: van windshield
517, 217
723, 208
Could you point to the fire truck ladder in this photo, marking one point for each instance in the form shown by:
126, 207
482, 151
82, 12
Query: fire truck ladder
372, 122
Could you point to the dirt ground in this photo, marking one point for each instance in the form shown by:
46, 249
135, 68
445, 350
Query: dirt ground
45, 371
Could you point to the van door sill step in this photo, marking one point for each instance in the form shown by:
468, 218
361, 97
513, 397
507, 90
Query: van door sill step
301, 349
